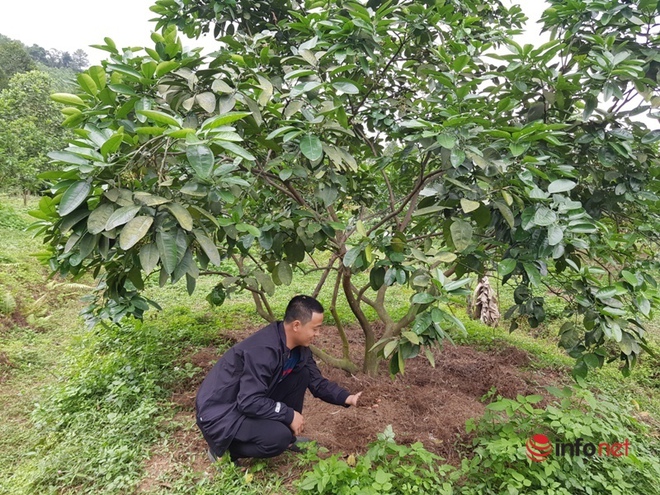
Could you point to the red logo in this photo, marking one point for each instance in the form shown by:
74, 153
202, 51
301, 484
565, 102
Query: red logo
538, 448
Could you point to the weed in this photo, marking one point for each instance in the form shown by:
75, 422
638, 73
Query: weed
387, 468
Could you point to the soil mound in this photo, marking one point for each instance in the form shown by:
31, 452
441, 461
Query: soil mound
426, 404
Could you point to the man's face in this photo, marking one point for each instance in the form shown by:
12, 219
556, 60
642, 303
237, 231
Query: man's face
306, 332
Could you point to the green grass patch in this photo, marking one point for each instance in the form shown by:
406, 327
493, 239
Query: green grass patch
98, 420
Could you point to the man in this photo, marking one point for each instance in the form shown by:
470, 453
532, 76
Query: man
251, 401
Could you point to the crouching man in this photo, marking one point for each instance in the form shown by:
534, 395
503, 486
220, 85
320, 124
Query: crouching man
251, 402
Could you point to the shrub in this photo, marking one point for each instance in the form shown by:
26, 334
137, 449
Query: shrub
499, 463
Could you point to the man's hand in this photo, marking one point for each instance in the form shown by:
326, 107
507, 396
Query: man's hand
352, 400
298, 424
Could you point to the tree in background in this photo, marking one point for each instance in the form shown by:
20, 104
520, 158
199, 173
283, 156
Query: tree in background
14, 59
414, 142
29, 128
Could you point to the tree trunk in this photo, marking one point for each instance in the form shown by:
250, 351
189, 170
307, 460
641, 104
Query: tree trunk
371, 360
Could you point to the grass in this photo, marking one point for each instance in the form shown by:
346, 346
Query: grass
102, 395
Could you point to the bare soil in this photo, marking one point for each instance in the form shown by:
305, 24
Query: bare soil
426, 404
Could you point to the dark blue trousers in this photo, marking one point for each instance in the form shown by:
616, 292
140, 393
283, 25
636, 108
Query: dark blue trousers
268, 438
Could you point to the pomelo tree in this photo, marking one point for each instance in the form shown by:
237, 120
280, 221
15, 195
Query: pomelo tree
414, 141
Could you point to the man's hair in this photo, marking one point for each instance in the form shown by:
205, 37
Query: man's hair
301, 308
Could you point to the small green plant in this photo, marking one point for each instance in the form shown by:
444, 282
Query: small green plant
10, 219
7, 303
498, 456
387, 468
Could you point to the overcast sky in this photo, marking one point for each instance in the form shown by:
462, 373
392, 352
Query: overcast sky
68, 25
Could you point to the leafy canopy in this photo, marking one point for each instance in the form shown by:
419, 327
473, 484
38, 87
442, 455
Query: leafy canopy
412, 140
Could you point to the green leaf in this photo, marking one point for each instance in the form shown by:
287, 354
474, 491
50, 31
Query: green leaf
518, 149
500, 405
311, 147
606, 293
533, 273
209, 247
561, 185
429, 356
166, 66
134, 231
74, 196
201, 159
181, 214
121, 216
506, 266
237, 150
389, 348
630, 278
346, 87
159, 117
98, 218
461, 234
544, 217
219, 86
592, 360
149, 257
168, 250
651, 137
555, 235
446, 141
87, 84
207, 101
351, 255
279, 131
149, 199
284, 272
590, 104
644, 305
469, 206
68, 99
97, 73
460, 62
266, 282
112, 144
67, 157
445, 257
412, 337
506, 213
250, 229
126, 70
423, 298
227, 118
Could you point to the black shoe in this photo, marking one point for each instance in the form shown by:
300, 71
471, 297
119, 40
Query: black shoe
299, 444
239, 463
212, 457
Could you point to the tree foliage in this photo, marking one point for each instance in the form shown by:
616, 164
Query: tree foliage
29, 128
414, 141
13, 60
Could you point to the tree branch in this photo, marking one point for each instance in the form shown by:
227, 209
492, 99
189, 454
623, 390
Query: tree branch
324, 277
355, 305
423, 180
343, 364
380, 77
338, 323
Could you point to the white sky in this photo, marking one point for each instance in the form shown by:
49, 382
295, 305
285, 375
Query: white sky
68, 25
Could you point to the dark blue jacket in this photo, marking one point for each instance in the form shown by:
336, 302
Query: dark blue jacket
239, 384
